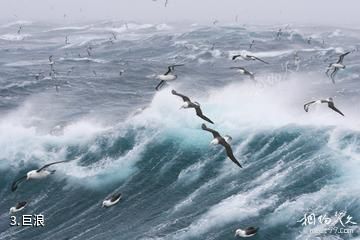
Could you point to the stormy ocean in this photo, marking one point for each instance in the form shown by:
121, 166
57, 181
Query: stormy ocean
100, 111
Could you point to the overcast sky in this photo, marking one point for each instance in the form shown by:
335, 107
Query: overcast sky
323, 12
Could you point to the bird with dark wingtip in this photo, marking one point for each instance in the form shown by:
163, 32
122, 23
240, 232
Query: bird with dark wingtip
335, 67
248, 57
167, 76
247, 232
224, 141
189, 104
18, 207
329, 101
244, 71
35, 174
112, 200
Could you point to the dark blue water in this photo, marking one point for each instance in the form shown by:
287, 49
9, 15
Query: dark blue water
120, 135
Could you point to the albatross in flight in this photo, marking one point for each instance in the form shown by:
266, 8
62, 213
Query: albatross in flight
248, 57
168, 76
34, 174
330, 103
243, 71
189, 104
251, 44
224, 141
334, 67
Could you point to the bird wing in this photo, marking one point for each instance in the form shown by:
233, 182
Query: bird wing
176, 65
172, 67
235, 56
20, 205
251, 230
307, 105
247, 72
184, 98
333, 74
214, 133
115, 197
159, 85
336, 110
259, 59
341, 58
230, 153
168, 71
328, 69
48, 165
237, 68
200, 114
16, 183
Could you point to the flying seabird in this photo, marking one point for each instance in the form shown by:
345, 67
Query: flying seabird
70, 71
248, 57
167, 76
297, 61
35, 174
114, 35
88, 50
189, 104
67, 40
336, 66
224, 141
18, 207
243, 71
247, 232
329, 101
251, 44
19, 30
112, 200
309, 40
51, 62
38, 75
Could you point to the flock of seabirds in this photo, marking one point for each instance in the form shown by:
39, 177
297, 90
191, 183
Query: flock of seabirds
218, 139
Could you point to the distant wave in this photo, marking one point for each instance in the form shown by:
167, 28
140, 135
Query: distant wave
14, 37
